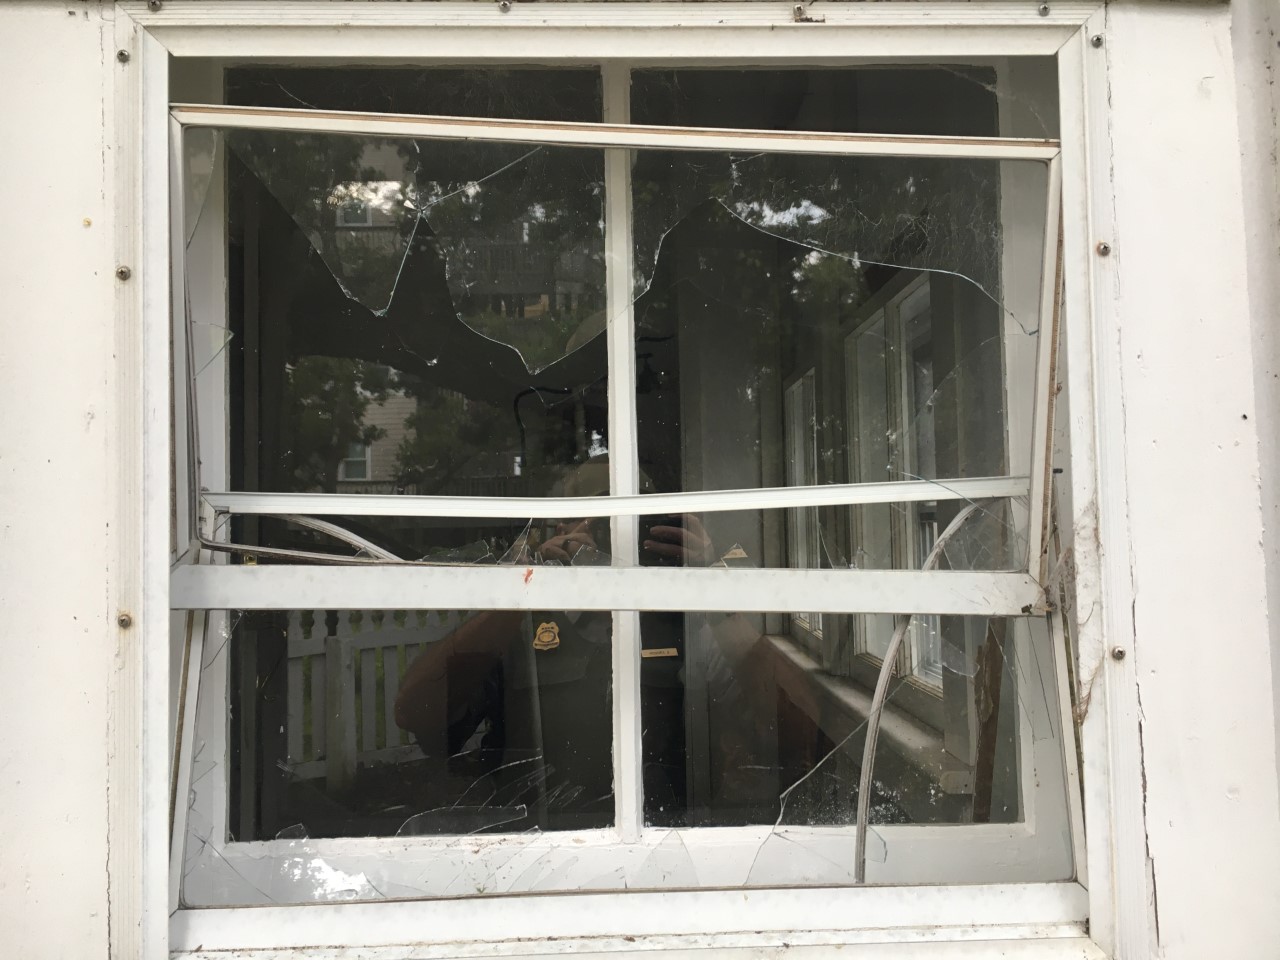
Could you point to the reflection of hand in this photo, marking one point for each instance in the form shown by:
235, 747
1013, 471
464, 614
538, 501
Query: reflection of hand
685, 541
569, 539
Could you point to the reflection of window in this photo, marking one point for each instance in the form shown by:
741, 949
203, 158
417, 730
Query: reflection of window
597, 747
803, 533
354, 212
356, 465
891, 400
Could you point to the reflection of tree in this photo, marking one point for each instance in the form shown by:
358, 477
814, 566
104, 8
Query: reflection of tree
444, 434
828, 281
519, 229
325, 402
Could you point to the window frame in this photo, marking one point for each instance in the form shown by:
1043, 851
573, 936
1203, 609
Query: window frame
367, 460
1037, 839
1117, 888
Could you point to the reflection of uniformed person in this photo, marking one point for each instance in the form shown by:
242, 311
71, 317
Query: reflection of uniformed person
515, 708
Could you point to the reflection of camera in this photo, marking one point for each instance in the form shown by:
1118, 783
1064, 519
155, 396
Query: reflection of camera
649, 558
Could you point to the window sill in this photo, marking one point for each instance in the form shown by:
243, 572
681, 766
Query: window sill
917, 742
1021, 943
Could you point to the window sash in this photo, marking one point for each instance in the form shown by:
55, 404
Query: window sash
220, 586
907, 854
613, 135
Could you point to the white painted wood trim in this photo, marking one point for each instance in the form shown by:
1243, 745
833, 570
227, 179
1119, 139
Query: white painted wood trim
916, 34
137, 804
1015, 942
751, 33
1047, 345
186, 21
828, 914
401, 587
608, 134
619, 505
1121, 910
624, 467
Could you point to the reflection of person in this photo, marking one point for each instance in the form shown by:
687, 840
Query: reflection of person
518, 706
680, 540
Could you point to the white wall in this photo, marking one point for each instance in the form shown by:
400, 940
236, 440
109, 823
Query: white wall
1255, 29
56, 344
1203, 638
1204, 509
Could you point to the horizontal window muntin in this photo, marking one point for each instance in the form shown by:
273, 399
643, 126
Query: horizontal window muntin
581, 134
276, 586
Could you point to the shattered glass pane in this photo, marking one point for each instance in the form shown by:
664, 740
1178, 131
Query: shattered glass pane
201, 146
757, 719
431, 382
496, 726
828, 538
426, 317
516, 225
877, 280
446, 541
419, 723
517, 230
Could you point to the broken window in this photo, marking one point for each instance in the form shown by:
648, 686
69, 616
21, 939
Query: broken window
654, 505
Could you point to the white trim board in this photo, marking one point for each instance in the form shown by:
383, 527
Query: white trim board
418, 587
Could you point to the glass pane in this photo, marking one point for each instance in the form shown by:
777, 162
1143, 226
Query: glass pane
458, 334
574, 541
988, 537
879, 280
425, 726
359, 199
518, 93
958, 100
752, 719
411, 723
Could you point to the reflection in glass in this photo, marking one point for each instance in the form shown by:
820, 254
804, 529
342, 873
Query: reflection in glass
746, 723
405, 723
870, 285
948, 101
436, 306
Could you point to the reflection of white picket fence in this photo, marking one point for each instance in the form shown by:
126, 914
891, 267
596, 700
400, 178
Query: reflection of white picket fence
342, 684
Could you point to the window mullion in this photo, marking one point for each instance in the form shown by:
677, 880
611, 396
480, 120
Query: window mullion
624, 472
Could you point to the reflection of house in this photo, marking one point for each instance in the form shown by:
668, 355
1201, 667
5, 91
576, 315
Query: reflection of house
371, 468
377, 467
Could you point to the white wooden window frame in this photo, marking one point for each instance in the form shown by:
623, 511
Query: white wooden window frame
1115, 899
912, 854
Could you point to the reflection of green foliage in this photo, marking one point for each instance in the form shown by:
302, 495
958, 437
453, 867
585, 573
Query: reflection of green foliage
324, 407
541, 340
307, 174
542, 206
824, 280
445, 433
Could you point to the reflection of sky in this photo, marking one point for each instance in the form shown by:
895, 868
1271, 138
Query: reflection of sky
802, 212
327, 882
378, 194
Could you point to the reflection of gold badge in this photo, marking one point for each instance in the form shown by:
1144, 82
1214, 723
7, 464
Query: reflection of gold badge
547, 636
